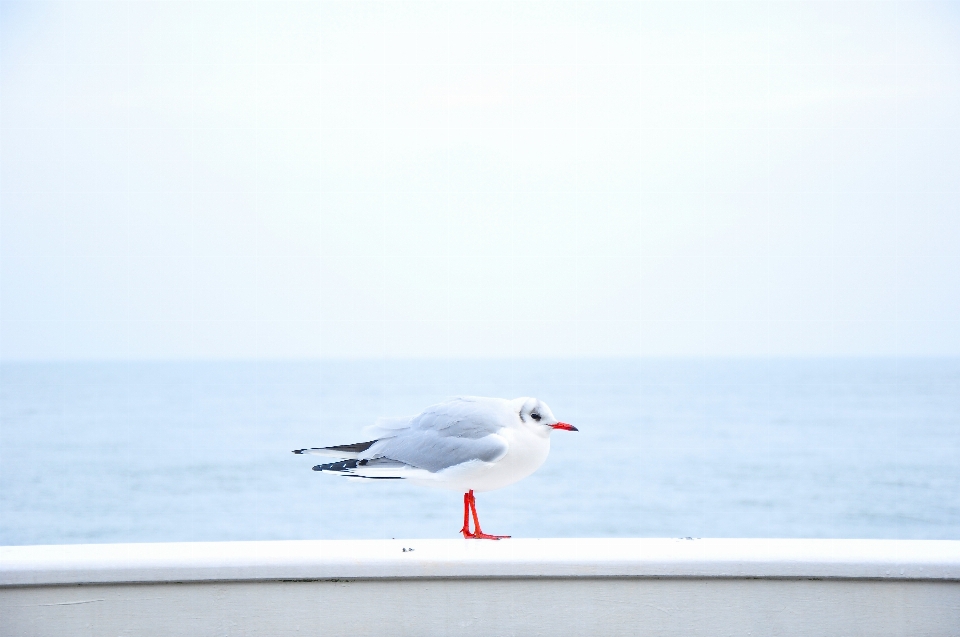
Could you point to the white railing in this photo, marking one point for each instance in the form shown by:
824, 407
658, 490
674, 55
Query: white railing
460, 587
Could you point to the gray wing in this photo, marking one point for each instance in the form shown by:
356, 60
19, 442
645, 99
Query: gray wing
461, 418
434, 452
444, 436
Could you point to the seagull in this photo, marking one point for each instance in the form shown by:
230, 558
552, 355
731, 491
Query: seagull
466, 444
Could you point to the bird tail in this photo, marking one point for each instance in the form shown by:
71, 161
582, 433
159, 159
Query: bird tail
351, 452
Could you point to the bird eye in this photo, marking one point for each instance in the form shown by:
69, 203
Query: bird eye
535, 416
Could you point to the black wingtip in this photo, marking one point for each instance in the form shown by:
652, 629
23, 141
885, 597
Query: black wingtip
343, 466
298, 451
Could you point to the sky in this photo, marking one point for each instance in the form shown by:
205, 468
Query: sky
512, 180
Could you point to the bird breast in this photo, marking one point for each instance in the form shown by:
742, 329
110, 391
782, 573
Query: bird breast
526, 452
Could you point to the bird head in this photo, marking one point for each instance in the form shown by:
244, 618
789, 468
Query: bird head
536, 412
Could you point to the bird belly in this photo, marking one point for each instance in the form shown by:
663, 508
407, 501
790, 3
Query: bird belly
525, 454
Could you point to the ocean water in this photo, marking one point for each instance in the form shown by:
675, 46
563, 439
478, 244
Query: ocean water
145, 452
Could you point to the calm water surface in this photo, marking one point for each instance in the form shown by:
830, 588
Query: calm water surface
137, 452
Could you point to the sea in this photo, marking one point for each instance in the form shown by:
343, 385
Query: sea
197, 451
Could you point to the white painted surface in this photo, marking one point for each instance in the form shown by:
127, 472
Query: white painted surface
330, 559
489, 608
454, 587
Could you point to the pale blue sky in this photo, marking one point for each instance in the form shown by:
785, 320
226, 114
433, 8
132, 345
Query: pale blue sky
263, 180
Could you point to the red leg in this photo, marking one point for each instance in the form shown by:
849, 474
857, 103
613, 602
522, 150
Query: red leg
477, 533
466, 516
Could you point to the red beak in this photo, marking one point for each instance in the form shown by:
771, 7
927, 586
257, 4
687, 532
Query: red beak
564, 426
